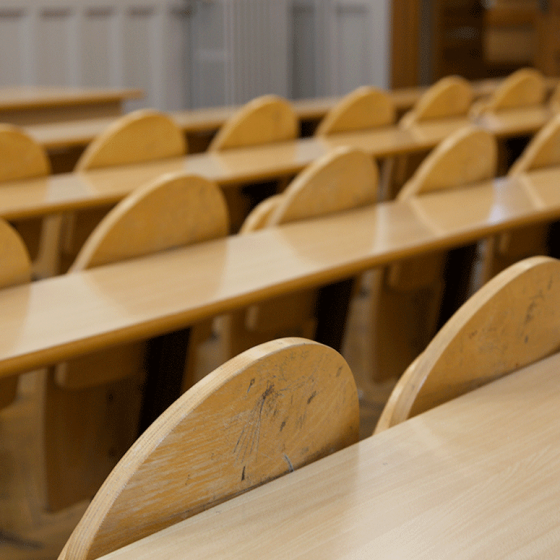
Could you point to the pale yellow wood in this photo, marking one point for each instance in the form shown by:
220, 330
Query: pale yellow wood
103, 307
20, 156
269, 411
140, 136
15, 268
407, 295
339, 181
263, 120
343, 179
524, 87
467, 156
543, 151
260, 214
363, 108
451, 96
509, 323
24, 105
474, 478
174, 211
231, 168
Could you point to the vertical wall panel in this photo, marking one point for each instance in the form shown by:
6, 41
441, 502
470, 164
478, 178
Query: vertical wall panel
98, 49
12, 36
54, 46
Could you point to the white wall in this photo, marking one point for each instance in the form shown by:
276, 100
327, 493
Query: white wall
187, 53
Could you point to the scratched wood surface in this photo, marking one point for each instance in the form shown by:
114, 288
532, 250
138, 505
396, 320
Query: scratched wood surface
509, 323
267, 412
474, 478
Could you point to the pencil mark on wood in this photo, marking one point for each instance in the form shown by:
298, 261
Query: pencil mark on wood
243, 474
290, 466
313, 395
251, 383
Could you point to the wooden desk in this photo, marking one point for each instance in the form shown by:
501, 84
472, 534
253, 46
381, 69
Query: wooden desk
232, 168
34, 105
474, 478
58, 318
79, 133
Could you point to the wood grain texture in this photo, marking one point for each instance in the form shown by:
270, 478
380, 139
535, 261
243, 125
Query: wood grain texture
541, 152
15, 268
263, 120
509, 323
467, 156
175, 210
342, 180
91, 405
140, 136
232, 168
93, 309
407, 295
263, 414
474, 478
363, 108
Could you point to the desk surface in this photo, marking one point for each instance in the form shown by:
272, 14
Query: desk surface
70, 191
24, 97
474, 478
43, 106
58, 318
81, 132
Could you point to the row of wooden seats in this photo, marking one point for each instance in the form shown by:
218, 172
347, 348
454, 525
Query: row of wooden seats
199, 213
289, 402
148, 135
78, 376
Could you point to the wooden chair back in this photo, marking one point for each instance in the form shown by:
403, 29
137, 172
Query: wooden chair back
176, 210
267, 412
263, 120
364, 108
511, 322
143, 135
467, 156
542, 151
407, 295
15, 269
21, 157
522, 88
343, 179
451, 96
106, 387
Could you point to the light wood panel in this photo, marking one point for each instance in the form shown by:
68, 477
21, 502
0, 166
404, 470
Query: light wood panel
232, 168
90, 310
32, 105
79, 131
473, 478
